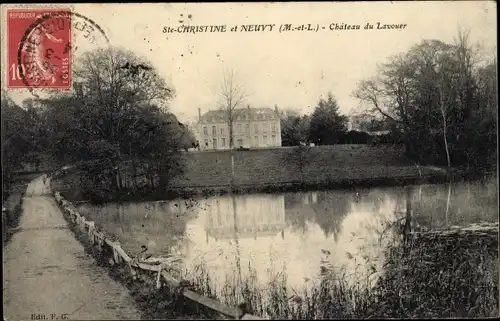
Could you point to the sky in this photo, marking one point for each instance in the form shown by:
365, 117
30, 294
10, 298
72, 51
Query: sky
289, 69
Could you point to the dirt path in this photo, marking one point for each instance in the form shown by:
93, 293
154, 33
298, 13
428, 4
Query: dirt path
47, 274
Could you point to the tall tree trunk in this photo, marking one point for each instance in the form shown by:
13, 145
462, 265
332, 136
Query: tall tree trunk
446, 139
231, 138
445, 125
150, 179
116, 179
448, 204
134, 175
162, 176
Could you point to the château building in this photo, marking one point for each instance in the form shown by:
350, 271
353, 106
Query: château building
252, 128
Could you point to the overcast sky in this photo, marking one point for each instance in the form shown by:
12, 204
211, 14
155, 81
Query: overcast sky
288, 69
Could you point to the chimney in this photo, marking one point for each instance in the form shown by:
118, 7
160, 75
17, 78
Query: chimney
199, 114
276, 108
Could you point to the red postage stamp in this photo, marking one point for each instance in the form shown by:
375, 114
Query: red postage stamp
38, 48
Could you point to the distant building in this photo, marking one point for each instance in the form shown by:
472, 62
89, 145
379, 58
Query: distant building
356, 122
252, 128
371, 126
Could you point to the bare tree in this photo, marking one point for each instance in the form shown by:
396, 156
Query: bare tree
431, 95
232, 94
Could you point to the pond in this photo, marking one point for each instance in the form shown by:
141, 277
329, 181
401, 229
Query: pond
300, 234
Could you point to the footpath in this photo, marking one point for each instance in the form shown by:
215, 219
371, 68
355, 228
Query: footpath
47, 274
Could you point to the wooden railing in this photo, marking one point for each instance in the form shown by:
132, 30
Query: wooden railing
98, 239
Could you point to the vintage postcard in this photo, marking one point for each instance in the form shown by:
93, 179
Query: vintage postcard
271, 160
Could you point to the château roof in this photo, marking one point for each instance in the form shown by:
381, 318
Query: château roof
240, 114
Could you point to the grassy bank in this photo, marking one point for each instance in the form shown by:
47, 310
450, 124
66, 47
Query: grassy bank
71, 190
269, 170
426, 276
13, 204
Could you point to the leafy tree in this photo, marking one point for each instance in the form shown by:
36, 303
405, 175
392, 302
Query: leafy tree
20, 146
117, 113
327, 125
188, 138
294, 128
371, 124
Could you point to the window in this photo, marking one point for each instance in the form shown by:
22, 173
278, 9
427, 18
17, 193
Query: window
264, 127
256, 128
214, 130
264, 140
256, 141
214, 142
223, 142
206, 143
240, 142
205, 130
247, 128
238, 128
273, 139
273, 128
222, 130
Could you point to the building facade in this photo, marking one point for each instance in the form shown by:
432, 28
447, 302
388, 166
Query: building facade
252, 128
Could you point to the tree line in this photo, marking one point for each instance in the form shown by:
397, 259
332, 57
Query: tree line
326, 126
438, 99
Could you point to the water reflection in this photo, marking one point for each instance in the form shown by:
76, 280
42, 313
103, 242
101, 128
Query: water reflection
244, 217
319, 227
295, 232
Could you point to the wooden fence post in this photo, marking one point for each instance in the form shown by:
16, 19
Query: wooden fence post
116, 255
99, 243
158, 278
91, 232
132, 270
82, 224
